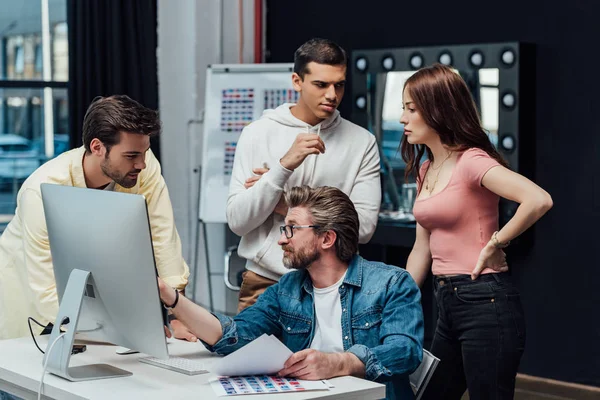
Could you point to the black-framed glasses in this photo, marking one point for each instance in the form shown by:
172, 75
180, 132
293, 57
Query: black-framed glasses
288, 230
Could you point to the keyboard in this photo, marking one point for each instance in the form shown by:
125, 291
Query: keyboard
177, 364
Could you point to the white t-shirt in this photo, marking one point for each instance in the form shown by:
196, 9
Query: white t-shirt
328, 326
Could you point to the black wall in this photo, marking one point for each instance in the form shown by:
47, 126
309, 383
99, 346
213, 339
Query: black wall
112, 50
559, 276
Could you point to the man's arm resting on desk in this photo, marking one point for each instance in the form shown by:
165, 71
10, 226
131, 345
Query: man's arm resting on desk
198, 320
312, 364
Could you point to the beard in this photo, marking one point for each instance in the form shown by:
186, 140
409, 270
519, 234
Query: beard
300, 259
121, 179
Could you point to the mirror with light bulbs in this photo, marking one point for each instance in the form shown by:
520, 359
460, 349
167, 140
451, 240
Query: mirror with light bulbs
500, 76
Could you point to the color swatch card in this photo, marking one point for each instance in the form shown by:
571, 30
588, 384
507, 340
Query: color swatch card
254, 384
237, 109
229, 155
276, 97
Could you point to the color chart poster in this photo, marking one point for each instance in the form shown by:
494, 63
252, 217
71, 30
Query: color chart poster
228, 161
255, 384
235, 96
273, 98
237, 109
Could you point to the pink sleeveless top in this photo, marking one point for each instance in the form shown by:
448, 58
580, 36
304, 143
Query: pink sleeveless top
462, 217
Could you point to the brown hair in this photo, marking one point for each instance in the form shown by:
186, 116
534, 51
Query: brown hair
320, 51
444, 101
107, 117
331, 209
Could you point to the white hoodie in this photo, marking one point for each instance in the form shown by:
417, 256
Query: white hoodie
350, 163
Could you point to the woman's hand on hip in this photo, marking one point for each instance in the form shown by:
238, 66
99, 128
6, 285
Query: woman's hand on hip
490, 257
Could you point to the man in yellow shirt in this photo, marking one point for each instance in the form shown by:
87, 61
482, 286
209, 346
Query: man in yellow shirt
115, 156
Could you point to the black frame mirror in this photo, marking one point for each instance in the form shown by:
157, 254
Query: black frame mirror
500, 72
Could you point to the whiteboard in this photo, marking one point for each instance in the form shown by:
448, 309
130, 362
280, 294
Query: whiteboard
236, 94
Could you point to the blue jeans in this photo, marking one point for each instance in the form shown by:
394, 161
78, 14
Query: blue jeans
480, 337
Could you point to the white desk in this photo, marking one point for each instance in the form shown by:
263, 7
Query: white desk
21, 369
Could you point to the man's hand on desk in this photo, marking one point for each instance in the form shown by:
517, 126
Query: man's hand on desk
180, 331
311, 364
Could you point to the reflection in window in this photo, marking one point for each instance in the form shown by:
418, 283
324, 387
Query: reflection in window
60, 52
489, 112
23, 56
483, 84
392, 129
22, 137
489, 101
24, 112
392, 100
397, 195
19, 60
489, 76
39, 59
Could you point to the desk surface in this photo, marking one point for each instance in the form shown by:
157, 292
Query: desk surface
21, 369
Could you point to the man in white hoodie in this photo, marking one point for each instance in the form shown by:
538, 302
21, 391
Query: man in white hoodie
307, 143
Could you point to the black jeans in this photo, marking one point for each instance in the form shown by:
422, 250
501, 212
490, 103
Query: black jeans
480, 337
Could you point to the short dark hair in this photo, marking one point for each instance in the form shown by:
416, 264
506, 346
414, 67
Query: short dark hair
321, 51
332, 210
107, 117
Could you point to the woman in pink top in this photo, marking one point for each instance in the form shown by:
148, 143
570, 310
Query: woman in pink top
480, 334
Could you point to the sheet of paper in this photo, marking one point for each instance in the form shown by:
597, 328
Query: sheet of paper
240, 385
263, 356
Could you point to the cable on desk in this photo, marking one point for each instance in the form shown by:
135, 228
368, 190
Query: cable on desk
31, 330
46, 364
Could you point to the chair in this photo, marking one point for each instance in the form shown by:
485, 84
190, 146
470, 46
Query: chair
231, 257
420, 378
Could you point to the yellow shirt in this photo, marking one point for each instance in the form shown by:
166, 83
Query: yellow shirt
27, 286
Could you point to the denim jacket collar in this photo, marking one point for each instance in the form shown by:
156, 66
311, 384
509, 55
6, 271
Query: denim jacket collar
353, 275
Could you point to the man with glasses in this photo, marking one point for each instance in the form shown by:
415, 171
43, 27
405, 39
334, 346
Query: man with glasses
306, 143
339, 313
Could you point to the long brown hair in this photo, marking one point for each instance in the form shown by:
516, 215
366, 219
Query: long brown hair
444, 101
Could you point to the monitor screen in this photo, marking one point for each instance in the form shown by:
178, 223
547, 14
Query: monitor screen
108, 234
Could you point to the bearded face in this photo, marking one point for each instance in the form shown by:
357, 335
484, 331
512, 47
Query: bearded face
300, 258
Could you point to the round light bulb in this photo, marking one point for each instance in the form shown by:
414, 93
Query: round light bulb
508, 143
361, 102
361, 64
508, 100
416, 61
445, 59
388, 63
508, 57
476, 59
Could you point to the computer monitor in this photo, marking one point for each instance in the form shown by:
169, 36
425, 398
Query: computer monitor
105, 274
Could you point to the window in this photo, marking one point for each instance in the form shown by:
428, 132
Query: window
34, 113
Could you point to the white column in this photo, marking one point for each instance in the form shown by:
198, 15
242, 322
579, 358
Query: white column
192, 35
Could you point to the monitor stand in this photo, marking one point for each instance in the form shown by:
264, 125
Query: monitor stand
58, 359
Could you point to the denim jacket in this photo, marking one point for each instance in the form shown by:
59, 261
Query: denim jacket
382, 321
